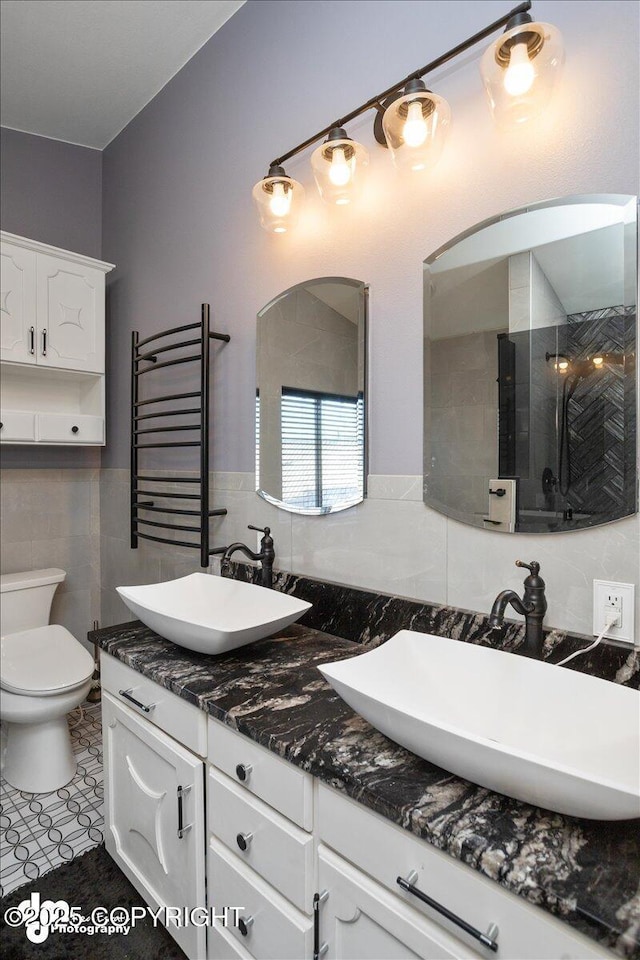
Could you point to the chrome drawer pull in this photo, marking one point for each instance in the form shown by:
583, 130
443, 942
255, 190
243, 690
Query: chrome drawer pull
488, 939
44, 342
243, 840
243, 771
182, 828
146, 708
32, 340
244, 923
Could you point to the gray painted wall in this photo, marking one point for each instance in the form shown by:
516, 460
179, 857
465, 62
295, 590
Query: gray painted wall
52, 192
178, 215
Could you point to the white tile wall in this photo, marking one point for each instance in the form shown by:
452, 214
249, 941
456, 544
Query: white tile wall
391, 543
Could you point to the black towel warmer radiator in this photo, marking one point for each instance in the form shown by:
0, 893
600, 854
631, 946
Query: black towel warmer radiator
142, 363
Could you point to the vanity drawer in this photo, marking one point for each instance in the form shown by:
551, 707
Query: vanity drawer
277, 931
222, 946
278, 850
17, 425
70, 428
181, 720
386, 851
270, 778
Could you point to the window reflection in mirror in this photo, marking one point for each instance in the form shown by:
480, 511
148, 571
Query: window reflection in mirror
310, 397
530, 368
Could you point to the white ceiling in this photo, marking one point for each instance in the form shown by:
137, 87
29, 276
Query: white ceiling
80, 70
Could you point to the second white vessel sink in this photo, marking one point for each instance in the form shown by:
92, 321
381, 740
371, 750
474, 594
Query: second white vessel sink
212, 614
549, 736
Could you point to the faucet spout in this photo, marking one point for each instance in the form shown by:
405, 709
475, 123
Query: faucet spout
500, 604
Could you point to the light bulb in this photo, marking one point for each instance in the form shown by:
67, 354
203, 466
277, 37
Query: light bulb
414, 132
520, 73
562, 365
598, 361
339, 171
280, 202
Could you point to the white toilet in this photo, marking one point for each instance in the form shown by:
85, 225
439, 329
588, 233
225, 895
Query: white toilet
44, 673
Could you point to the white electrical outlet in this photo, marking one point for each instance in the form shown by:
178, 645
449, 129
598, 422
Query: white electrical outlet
614, 599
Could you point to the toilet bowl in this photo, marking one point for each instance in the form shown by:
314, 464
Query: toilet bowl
44, 673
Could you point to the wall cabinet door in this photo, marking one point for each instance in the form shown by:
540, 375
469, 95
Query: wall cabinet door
18, 304
360, 920
70, 315
144, 769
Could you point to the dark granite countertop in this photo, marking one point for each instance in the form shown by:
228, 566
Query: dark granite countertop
585, 872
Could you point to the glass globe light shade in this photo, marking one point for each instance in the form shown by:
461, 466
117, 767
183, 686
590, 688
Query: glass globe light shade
278, 199
520, 70
338, 166
415, 127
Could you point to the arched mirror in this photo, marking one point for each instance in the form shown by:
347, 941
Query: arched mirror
530, 327
310, 397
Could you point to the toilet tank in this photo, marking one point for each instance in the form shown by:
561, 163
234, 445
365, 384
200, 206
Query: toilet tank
25, 598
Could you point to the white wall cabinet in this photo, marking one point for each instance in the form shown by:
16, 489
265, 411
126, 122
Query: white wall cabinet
275, 839
52, 352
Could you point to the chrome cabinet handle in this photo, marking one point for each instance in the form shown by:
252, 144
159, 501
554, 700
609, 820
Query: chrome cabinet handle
146, 708
243, 771
488, 939
44, 342
182, 827
244, 924
32, 340
243, 840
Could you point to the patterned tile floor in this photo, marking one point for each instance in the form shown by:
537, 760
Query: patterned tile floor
40, 831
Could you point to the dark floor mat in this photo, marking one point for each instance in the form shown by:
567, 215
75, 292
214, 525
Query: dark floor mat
89, 881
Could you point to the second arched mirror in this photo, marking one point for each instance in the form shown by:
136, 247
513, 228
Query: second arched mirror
310, 397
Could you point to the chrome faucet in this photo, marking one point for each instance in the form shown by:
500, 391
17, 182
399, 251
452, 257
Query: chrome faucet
533, 607
266, 555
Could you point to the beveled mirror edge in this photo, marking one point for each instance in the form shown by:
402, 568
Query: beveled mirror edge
615, 199
364, 287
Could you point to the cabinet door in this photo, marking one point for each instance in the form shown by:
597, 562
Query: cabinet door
143, 770
17, 304
360, 920
70, 315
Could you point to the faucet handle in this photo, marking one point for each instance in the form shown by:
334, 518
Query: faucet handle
265, 530
534, 566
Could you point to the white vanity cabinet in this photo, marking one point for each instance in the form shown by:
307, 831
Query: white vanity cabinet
260, 849
52, 344
154, 796
307, 871
379, 852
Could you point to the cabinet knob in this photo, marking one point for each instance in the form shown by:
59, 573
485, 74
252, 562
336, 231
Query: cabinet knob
75, 429
244, 925
243, 771
243, 840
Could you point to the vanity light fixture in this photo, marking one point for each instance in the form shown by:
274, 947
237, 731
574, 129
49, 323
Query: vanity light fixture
414, 127
519, 73
278, 199
337, 166
520, 69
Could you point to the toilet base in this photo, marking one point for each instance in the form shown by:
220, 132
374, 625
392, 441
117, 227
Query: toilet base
38, 757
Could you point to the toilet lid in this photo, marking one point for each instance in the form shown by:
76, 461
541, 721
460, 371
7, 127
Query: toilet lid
43, 661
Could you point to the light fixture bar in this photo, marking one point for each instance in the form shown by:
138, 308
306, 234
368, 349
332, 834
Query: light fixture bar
376, 102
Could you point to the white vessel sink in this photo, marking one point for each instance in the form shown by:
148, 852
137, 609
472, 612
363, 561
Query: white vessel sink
212, 614
552, 737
